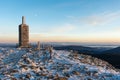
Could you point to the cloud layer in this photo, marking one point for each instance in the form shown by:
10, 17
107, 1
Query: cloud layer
100, 19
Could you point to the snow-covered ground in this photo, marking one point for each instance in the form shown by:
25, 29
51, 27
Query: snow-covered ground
25, 64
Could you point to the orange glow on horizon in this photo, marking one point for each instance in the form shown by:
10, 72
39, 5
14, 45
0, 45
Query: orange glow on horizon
62, 39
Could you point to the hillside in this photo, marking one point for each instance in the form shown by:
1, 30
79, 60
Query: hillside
82, 49
64, 65
114, 51
111, 55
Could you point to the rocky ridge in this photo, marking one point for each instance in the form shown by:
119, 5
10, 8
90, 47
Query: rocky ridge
64, 65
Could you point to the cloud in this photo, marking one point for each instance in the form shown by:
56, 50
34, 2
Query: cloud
35, 15
96, 19
72, 17
100, 19
56, 31
63, 29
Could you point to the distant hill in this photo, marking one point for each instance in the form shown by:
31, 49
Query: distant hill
11, 45
110, 55
82, 49
114, 51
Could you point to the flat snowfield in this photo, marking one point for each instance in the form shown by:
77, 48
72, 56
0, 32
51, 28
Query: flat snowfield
28, 64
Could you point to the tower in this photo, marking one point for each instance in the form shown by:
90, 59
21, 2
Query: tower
23, 34
38, 45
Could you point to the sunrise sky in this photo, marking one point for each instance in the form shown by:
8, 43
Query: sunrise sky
62, 20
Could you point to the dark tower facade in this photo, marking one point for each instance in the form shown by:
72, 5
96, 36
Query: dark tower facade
23, 34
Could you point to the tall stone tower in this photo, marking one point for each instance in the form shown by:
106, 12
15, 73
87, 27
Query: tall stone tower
38, 45
23, 34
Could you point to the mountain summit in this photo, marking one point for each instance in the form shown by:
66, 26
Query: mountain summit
63, 65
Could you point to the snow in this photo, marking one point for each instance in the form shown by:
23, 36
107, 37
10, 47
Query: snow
16, 63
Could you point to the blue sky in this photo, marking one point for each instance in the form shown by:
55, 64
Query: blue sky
62, 20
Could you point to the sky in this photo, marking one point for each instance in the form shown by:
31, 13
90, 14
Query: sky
95, 21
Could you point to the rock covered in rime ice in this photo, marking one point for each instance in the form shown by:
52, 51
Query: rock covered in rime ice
22, 64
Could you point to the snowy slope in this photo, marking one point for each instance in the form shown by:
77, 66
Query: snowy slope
35, 65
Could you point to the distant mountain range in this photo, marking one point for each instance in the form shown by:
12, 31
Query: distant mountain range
83, 49
111, 55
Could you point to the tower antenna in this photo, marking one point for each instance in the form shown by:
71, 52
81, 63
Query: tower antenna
23, 20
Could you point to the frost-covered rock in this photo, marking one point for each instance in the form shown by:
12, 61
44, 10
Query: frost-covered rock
30, 64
